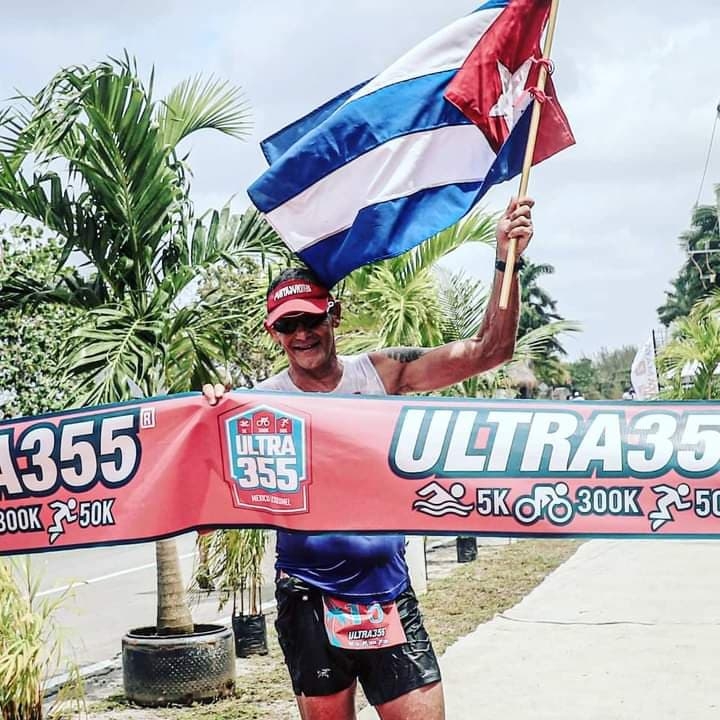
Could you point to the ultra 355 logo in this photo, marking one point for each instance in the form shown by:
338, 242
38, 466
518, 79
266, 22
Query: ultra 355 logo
267, 459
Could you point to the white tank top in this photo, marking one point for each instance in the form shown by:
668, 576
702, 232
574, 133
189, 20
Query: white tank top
359, 378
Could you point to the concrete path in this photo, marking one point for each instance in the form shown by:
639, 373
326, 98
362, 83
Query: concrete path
625, 630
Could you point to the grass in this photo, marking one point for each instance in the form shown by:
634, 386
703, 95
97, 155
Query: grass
459, 598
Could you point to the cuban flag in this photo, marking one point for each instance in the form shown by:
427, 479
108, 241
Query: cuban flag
393, 161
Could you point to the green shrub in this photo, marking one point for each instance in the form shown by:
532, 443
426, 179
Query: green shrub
31, 646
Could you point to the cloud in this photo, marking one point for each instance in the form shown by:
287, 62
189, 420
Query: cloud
637, 80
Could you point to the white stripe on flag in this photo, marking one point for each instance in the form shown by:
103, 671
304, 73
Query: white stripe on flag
400, 167
445, 50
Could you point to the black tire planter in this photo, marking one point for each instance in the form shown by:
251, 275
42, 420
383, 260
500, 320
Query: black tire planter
250, 635
178, 669
466, 547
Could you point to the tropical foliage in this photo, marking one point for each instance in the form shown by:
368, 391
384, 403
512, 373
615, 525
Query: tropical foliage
31, 338
412, 300
581, 376
538, 312
125, 208
397, 302
31, 645
605, 376
700, 273
253, 355
122, 211
232, 564
689, 362
537, 307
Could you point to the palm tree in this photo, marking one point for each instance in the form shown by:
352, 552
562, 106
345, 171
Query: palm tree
123, 207
537, 307
701, 271
694, 347
537, 310
687, 288
463, 301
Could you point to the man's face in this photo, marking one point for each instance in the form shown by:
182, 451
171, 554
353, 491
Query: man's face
307, 339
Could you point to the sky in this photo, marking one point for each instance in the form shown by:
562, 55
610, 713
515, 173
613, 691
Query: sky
638, 81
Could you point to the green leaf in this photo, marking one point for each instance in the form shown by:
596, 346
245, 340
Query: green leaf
198, 104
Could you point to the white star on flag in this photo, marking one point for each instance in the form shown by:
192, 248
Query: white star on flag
509, 103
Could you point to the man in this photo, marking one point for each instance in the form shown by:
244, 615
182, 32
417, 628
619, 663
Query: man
327, 581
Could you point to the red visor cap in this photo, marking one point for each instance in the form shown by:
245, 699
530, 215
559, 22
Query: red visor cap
296, 296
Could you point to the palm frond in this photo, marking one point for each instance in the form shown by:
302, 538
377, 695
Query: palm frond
400, 312
118, 344
199, 104
462, 304
479, 227
533, 345
225, 236
353, 343
71, 289
695, 343
128, 194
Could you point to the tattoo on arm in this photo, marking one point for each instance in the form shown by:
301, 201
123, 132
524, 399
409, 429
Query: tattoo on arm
404, 354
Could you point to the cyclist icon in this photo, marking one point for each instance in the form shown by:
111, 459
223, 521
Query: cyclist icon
545, 501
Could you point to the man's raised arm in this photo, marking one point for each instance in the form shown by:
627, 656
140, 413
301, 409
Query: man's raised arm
407, 370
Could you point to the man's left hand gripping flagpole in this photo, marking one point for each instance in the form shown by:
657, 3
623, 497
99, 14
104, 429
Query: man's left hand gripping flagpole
530, 148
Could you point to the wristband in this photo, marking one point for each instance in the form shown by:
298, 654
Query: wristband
501, 265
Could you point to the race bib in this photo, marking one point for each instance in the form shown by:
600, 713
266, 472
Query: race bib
354, 626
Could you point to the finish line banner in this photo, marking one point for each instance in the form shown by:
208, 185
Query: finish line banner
155, 468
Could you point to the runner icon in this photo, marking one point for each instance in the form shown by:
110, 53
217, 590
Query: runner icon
670, 497
438, 501
64, 512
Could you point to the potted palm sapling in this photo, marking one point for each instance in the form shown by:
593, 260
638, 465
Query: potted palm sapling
232, 564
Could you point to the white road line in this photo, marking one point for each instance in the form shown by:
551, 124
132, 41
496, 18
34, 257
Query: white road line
109, 576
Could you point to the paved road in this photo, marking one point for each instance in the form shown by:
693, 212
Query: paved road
113, 591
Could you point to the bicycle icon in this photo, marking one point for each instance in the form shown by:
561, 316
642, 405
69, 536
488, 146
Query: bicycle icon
545, 501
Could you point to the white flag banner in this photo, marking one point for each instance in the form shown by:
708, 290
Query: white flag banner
643, 372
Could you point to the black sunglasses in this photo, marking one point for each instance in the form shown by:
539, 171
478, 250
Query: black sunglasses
288, 325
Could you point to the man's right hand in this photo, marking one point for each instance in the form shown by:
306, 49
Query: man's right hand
515, 223
213, 393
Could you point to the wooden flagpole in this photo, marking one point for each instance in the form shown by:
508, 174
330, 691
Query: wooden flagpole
529, 150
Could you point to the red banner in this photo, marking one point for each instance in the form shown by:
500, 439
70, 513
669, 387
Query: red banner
311, 462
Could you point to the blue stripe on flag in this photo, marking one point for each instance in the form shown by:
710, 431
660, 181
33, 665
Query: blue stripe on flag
388, 229
281, 141
393, 227
509, 161
363, 124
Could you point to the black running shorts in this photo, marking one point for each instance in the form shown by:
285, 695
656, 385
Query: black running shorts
318, 668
